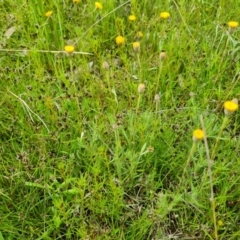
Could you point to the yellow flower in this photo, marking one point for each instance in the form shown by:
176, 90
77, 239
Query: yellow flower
141, 88
164, 15
49, 13
98, 5
76, 1
120, 40
136, 46
233, 24
220, 223
198, 135
230, 107
69, 49
132, 17
139, 34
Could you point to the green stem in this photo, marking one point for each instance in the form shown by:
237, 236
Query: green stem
138, 103
224, 124
190, 155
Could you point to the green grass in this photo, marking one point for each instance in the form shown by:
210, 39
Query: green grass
84, 155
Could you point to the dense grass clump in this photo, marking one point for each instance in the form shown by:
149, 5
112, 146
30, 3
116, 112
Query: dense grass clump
119, 120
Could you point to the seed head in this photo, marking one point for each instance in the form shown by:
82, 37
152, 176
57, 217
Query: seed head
157, 98
105, 65
141, 88
162, 56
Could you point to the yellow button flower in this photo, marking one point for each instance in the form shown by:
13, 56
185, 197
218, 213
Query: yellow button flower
136, 46
164, 15
120, 40
69, 49
76, 1
139, 34
198, 135
233, 24
230, 107
220, 223
49, 13
98, 5
132, 17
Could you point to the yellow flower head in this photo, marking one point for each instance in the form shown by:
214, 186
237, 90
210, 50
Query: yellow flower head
136, 46
132, 17
198, 135
220, 223
69, 49
98, 5
139, 34
76, 1
230, 107
120, 40
49, 13
141, 88
164, 15
233, 24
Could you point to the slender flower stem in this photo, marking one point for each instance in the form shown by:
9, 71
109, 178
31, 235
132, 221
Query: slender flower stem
138, 103
74, 85
224, 124
210, 162
159, 75
139, 64
190, 155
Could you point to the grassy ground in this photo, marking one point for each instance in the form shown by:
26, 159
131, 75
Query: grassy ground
99, 146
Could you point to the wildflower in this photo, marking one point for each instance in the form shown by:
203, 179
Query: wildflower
98, 5
141, 88
162, 55
115, 126
120, 40
198, 135
105, 65
69, 49
233, 24
132, 17
150, 149
49, 14
139, 34
157, 98
164, 15
136, 46
230, 107
76, 1
220, 223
